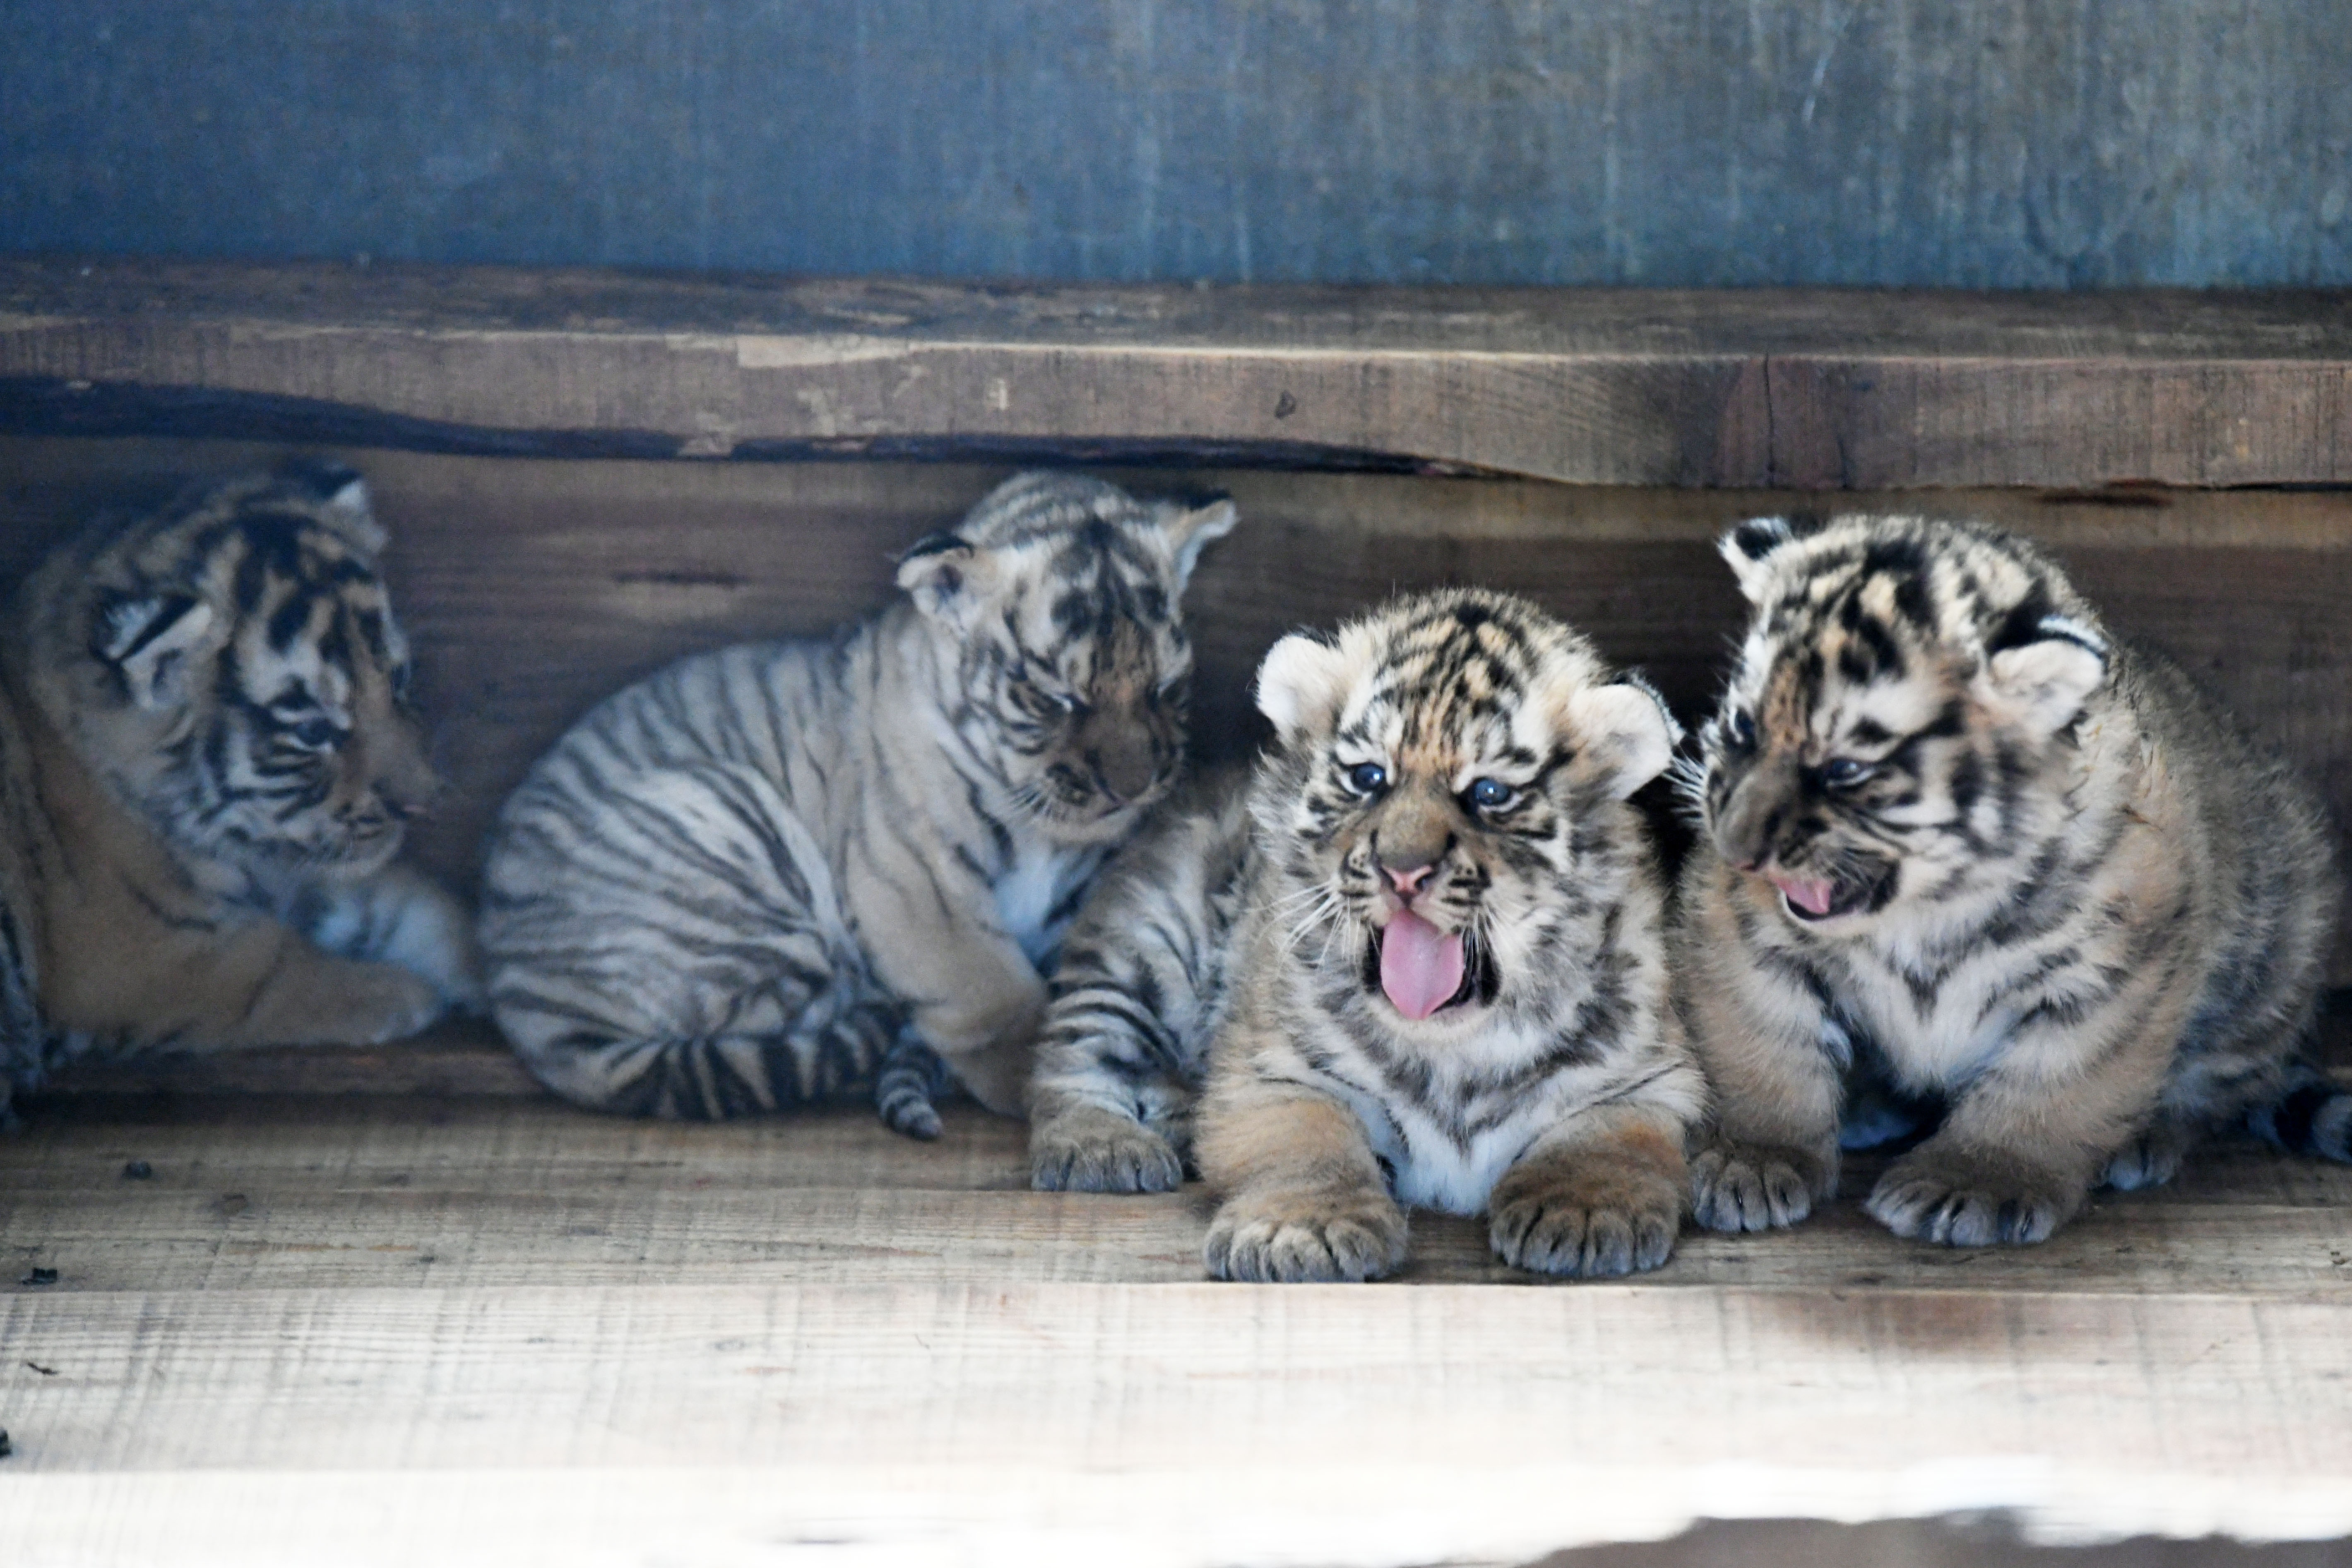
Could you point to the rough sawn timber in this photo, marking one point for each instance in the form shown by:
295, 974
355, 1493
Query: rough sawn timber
395, 1330
1809, 389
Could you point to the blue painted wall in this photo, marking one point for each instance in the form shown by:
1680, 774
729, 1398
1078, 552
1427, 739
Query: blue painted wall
1983, 143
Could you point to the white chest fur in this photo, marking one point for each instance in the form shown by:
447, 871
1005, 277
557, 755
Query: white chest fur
1433, 1172
1934, 1040
1431, 1166
1028, 893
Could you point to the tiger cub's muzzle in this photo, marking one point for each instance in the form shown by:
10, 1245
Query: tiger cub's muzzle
1772, 826
1417, 890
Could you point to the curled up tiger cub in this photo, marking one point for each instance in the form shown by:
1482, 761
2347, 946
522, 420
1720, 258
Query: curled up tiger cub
1416, 960
207, 763
793, 869
1971, 863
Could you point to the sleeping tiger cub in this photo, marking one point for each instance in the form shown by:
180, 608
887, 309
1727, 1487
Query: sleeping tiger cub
1419, 957
1971, 854
791, 870
208, 762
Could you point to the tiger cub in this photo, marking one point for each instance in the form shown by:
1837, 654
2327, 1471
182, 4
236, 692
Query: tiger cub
1965, 853
207, 763
791, 870
1418, 960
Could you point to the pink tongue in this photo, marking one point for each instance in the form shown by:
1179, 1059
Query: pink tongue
1814, 898
1421, 966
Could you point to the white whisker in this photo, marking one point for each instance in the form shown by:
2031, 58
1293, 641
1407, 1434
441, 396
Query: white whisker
1325, 906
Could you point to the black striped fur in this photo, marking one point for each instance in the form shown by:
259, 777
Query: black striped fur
1235, 954
788, 870
207, 763
1137, 996
1962, 843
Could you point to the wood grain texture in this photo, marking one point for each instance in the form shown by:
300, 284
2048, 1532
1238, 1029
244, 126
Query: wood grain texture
889, 1373
532, 588
281, 1193
1782, 388
501, 1330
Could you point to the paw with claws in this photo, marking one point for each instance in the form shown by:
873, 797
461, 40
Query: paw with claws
1296, 1237
2151, 1159
1741, 1186
1591, 1220
1960, 1197
1093, 1149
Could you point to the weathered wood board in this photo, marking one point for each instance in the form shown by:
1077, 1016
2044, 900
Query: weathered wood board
501, 1330
1809, 389
533, 587
277, 1193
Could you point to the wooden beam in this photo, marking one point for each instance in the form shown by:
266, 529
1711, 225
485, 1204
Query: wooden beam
1805, 389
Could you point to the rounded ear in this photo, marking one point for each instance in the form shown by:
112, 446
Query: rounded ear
1301, 684
1749, 548
2041, 686
1623, 735
342, 494
148, 642
1189, 533
947, 578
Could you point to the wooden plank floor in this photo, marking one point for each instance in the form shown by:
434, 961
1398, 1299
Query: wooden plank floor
479, 1326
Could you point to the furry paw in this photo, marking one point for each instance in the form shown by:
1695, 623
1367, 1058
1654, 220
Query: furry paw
2149, 1160
1092, 1148
1962, 1199
385, 1003
1755, 1187
1593, 1221
400, 917
1294, 1237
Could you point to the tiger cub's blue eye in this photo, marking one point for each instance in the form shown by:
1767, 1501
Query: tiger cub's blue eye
1489, 794
316, 734
1842, 772
1741, 730
1367, 778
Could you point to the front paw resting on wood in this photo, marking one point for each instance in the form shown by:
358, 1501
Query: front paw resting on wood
1594, 1220
1295, 1236
1738, 1187
1968, 1197
1083, 1148
378, 1003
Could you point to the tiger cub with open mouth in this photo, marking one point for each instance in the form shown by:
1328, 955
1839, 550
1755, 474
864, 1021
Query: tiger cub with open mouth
1418, 960
1969, 855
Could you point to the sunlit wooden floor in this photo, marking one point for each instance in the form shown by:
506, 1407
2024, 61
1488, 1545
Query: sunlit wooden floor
450, 1321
